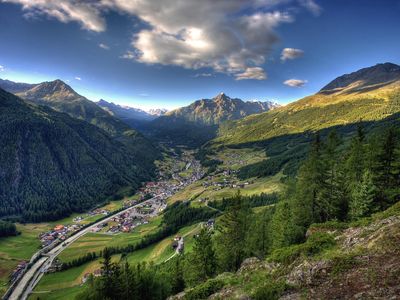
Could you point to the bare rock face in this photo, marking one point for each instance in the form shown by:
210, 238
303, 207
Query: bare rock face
254, 264
308, 273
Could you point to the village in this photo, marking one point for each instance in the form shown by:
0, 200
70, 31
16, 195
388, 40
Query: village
185, 171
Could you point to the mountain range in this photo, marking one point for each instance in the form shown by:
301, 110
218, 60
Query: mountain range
52, 164
198, 122
134, 117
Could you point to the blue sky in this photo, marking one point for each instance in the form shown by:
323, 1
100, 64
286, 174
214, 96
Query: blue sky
152, 54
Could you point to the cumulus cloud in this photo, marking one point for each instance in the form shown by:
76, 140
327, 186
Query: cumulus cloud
234, 37
252, 73
2, 68
291, 53
78, 78
86, 13
295, 82
104, 46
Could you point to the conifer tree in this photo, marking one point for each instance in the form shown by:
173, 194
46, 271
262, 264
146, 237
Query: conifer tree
362, 197
232, 240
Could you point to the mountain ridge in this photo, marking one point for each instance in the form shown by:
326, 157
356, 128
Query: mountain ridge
53, 161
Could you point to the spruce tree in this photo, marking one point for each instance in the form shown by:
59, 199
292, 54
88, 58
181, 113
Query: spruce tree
232, 239
362, 197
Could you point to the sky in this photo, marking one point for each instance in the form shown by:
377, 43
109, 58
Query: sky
166, 54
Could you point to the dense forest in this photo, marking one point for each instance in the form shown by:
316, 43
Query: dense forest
53, 165
335, 183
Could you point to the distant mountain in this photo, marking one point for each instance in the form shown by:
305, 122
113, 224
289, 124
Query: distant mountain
134, 117
157, 111
15, 87
52, 164
197, 123
218, 109
60, 96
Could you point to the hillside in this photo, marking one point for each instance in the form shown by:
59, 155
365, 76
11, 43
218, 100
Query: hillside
15, 87
338, 261
52, 164
198, 122
134, 117
61, 97
369, 94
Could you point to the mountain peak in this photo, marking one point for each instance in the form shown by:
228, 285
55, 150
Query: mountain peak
371, 77
221, 97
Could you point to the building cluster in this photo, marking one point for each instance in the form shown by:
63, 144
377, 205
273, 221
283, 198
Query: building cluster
130, 219
60, 232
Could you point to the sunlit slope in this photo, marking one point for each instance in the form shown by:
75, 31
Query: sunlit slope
358, 99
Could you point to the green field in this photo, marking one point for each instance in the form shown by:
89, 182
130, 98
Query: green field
94, 242
66, 284
18, 248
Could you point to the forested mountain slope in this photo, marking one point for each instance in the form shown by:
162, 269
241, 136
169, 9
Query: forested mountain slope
369, 94
61, 97
52, 164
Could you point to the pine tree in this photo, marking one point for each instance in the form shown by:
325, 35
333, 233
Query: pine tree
232, 240
177, 279
309, 205
362, 197
387, 170
356, 160
203, 259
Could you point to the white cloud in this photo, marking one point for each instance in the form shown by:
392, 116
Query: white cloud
313, 7
291, 53
104, 46
295, 82
234, 37
144, 95
78, 78
2, 68
86, 13
252, 73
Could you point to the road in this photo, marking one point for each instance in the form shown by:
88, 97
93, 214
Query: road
31, 278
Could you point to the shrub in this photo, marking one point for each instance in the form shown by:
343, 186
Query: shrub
315, 244
204, 290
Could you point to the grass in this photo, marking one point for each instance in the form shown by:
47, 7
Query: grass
67, 284
61, 294
18, 248
95, 242
259, 185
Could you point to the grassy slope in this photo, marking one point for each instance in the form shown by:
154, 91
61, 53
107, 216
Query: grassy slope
259, 185
313, 113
